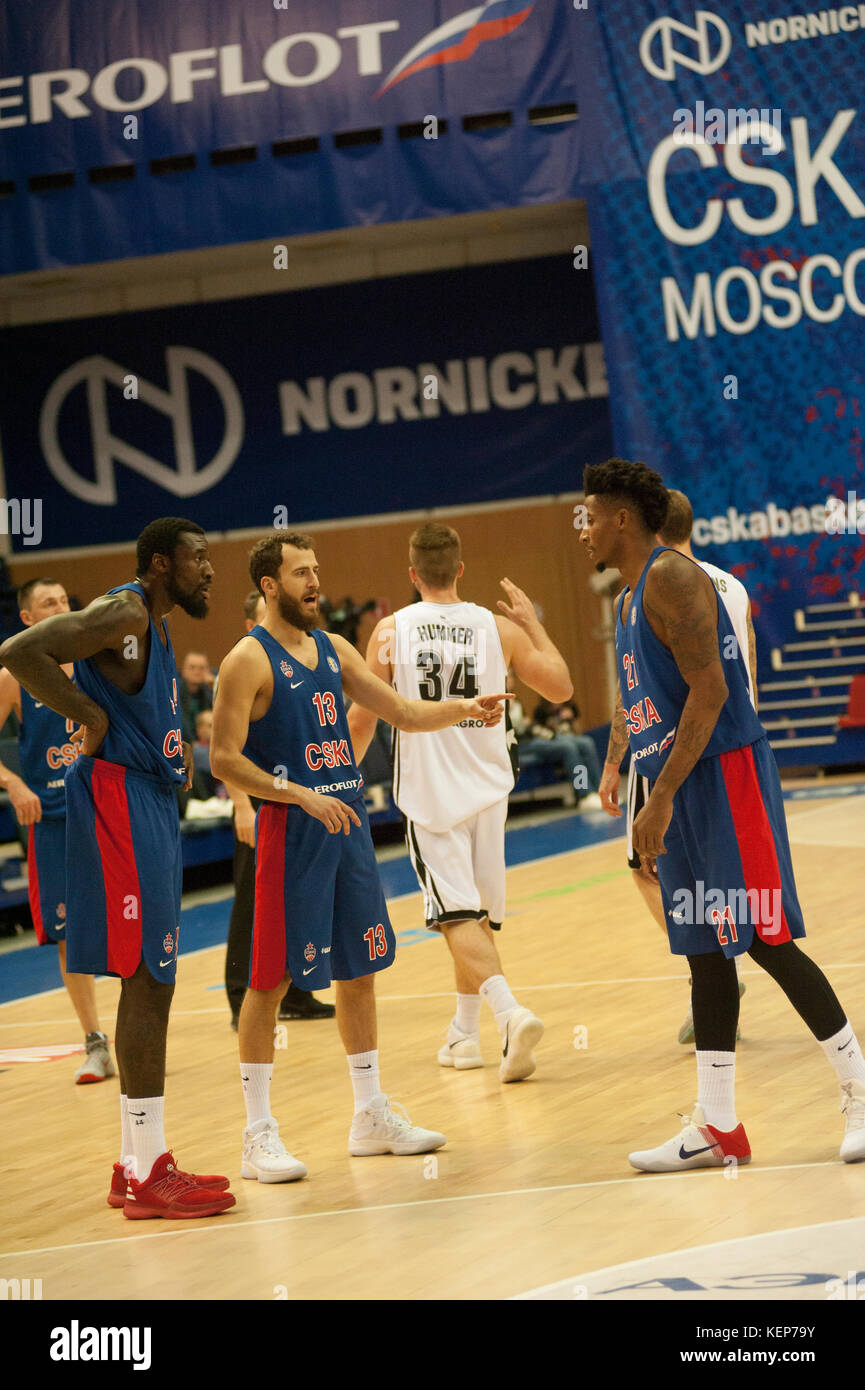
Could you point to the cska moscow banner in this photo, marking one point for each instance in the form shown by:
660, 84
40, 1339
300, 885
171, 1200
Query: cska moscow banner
723, 158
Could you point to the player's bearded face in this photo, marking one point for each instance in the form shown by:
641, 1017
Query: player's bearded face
192, 598
302, 612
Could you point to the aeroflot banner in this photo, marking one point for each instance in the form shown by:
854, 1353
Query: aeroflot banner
724, 160
358, 399
235, 97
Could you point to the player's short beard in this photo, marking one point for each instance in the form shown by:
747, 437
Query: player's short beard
194, 604
292, 613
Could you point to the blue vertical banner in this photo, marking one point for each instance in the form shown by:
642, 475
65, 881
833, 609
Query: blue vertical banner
723, 158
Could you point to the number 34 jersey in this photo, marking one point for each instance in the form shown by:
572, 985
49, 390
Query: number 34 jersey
449, 651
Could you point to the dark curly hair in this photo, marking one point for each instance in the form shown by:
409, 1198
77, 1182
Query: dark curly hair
161, 538
625, 482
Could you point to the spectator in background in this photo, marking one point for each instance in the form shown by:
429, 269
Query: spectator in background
204, 784
196, 691
552, 736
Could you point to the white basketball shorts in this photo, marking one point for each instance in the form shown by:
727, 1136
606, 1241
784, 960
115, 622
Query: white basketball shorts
461, 871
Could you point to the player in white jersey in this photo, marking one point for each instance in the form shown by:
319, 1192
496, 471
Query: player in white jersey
676, 533
452, 786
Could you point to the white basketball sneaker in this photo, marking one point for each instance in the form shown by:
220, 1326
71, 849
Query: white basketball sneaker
97, 1064
853, 1106
266, 1158
698, 1145
461, 1050
377, 1130
522, 1032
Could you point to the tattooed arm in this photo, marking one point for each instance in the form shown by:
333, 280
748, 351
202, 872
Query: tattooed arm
616, 748
680, 604
752, 655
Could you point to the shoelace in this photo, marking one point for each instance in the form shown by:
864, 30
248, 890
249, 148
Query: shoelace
174, 1183
402, 1121
852, 1106
269, 1142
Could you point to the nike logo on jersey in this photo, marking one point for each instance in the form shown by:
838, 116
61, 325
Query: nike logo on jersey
163, 963
295, 684
309, 971
692, 1153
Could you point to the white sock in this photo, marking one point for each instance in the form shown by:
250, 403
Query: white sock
716, 1084
255, 1077
498, 996
125, 1134
844, 1055
147, 1133
468, 1014
363, 1070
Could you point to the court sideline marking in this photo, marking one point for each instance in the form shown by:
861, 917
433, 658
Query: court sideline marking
401, 1206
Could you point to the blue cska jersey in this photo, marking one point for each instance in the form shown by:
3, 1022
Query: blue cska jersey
654, 692
304, 735
45, 753
144, 729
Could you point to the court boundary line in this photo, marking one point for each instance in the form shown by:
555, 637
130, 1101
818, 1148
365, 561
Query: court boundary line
440, 994
401, 1206
397, 897
687, 1249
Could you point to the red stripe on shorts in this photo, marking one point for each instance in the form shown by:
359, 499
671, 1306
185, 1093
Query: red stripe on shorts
755, 840
119, 870
33, 889
268, 931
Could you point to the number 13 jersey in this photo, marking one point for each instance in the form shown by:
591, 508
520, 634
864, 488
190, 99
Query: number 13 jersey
449, 651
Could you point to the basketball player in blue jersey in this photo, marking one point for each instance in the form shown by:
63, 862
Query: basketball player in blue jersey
280, 734
123, 865
675, 533
713, 827
45, 751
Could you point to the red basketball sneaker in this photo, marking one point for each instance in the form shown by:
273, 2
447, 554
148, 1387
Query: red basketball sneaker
171, 1193
117, 1193
699, 1145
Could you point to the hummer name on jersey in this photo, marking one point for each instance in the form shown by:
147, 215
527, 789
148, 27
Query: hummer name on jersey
442, 632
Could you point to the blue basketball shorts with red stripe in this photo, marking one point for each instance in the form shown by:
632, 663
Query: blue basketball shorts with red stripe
727, 873
123, 871
320, 911
46, 880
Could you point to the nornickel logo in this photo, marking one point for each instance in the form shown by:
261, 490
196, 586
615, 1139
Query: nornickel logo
182, 477
76, 1343
706, 60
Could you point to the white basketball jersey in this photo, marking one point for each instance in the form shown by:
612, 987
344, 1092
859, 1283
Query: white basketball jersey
735, 599
447, 651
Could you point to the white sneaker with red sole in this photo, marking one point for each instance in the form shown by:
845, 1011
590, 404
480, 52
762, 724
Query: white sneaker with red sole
698, 1145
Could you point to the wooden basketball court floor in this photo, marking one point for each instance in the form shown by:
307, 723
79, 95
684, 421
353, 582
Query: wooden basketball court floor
534, 1187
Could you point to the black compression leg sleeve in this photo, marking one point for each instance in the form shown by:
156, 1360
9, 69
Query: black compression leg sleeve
804, 984
714, 1002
